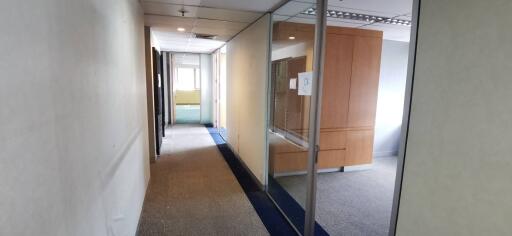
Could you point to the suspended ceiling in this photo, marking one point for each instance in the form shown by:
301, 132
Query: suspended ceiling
225, 18
222, 18
396, 9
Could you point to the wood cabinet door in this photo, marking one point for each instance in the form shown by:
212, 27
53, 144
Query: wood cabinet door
336, 85
364, 83
359, 147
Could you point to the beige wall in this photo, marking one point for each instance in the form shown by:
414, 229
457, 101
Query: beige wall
247, 74
458, 166
73, 124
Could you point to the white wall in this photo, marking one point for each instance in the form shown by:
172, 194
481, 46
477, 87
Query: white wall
390, 103
73, 126
457, 177
247, 75
206, 89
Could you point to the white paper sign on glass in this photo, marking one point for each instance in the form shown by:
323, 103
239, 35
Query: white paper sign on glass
293, 83
305, 83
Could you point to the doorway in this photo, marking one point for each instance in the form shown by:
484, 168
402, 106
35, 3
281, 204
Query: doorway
158, 83
187, 88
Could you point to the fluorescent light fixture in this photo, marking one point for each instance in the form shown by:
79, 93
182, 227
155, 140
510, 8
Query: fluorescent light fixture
291, 37
181, 29
360, 17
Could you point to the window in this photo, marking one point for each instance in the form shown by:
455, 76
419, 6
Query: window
188, 78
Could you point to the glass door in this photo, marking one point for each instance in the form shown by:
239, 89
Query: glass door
292, 106
364, 75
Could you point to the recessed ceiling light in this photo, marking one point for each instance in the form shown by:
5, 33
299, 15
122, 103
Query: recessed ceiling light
291, 37
181, 29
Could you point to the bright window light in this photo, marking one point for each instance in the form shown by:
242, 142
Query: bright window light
188, 79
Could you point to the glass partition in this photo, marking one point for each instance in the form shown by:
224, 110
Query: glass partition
293, 41
351, 185
365, 68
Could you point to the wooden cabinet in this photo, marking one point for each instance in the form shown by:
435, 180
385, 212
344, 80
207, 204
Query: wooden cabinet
337, 79
351, 80
364, 83
360, 147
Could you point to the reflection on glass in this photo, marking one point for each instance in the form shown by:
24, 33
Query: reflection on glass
365, 64
291, 72
354, 188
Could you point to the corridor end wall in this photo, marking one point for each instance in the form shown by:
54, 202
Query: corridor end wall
247, 75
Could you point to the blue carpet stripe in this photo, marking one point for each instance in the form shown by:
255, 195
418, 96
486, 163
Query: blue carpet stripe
293, 209
274, 221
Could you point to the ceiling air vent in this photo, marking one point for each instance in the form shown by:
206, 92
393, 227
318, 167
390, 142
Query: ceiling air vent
205, 36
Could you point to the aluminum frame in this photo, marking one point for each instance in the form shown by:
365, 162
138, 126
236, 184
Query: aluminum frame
413, 45
314, 116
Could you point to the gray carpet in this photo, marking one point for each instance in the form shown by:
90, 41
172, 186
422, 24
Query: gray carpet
351, 203
192, 190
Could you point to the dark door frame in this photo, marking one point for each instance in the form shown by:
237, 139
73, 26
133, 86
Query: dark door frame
158, 101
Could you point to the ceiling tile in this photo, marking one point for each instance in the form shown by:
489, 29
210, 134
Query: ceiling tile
242, 5
151, 8
392, 32
293, 8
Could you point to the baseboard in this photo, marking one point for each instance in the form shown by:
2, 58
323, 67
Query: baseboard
294, 173
385, 153
358, 167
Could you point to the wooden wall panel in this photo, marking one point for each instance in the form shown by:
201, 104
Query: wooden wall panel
364, 83
290, 162
330, 140
336, 87
359, 147
331, 159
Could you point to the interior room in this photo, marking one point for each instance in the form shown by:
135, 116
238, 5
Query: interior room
366, 56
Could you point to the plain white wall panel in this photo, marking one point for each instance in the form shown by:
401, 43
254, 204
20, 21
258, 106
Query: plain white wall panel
206, 89
247, 75
74, 156
457, 176
390, 104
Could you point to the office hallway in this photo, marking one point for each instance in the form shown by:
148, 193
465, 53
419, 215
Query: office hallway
192, 190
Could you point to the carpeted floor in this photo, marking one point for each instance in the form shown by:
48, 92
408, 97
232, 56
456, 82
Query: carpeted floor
351, 203
192, 190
